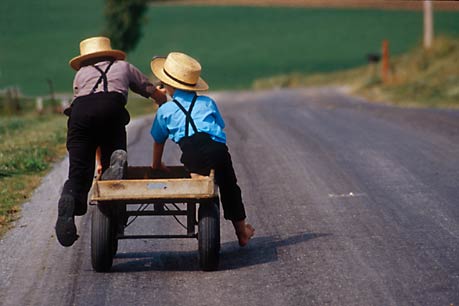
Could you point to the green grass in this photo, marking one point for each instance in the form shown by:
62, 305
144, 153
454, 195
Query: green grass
417, 78
139, 106
29, 144
243, 44
38, 38
236, 45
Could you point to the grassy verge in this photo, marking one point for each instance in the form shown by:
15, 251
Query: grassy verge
417, 78
139, 106
29, 145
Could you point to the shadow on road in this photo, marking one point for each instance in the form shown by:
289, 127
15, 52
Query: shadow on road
261, 250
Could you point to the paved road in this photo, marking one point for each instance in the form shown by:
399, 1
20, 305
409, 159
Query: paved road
354, 204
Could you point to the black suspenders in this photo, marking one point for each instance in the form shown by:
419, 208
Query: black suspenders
189, 120
103, 77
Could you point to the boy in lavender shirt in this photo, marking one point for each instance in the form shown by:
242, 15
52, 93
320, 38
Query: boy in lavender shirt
97, 119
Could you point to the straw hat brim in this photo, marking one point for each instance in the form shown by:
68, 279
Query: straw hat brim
75, 62
157, 66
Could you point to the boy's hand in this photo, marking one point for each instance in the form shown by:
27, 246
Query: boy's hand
99, 169
161, 167
159, 95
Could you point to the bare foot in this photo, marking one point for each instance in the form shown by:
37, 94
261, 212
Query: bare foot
244, 232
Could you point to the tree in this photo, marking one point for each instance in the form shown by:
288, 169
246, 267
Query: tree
124, 19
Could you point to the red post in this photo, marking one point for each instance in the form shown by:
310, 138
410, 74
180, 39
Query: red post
385, 61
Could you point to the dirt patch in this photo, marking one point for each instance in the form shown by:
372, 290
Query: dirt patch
381, 4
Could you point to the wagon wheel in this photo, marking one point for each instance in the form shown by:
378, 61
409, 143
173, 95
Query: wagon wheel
103, 238
209, 235
106, 221
118, 218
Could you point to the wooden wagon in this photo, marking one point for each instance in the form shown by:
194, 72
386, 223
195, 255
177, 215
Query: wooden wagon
155, 190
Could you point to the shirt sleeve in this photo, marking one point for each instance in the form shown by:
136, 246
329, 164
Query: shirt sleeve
219, 118
139, 83
76, 85
159, 130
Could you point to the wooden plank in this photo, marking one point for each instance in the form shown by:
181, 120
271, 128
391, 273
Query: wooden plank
143, 172
148, 189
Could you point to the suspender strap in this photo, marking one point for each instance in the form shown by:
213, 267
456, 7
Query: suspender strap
103, 77
189, 120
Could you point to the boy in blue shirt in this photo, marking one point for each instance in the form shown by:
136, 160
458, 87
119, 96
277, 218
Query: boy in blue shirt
195, 123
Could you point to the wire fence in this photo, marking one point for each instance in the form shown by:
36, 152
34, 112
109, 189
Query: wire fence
12, 102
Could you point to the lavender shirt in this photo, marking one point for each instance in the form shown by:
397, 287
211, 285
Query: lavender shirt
121, 77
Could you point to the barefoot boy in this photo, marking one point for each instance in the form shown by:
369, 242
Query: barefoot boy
195, 123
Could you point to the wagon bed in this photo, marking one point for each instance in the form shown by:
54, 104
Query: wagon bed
146, 186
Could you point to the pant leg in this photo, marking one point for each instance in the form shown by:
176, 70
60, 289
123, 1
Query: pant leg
230, 192
81, 146
96, 120
200, 154
110, 142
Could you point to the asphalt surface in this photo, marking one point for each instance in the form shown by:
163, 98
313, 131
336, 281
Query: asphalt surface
353, 204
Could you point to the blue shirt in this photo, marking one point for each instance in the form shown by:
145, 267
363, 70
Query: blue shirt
170, 119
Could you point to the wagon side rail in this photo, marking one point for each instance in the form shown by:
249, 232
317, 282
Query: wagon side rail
154, 190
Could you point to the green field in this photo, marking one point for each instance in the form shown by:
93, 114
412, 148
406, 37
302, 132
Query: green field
235, 44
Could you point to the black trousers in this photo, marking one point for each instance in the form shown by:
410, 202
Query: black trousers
200, 154
96, 120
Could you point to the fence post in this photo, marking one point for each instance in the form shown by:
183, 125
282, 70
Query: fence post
385, 61
39, 105
428, 24
16, 101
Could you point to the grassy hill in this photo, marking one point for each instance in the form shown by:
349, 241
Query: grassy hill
427, 78
235, 44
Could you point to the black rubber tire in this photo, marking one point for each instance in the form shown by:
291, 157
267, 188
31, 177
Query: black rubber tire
114, 247
118, 213
209, 235
108, 220
103, 241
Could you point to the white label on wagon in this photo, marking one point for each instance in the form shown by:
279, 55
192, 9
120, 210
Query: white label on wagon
156, 186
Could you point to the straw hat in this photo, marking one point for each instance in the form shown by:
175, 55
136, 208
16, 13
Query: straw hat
179, 71
95, 47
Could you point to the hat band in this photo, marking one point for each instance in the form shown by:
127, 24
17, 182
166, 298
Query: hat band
177, 80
